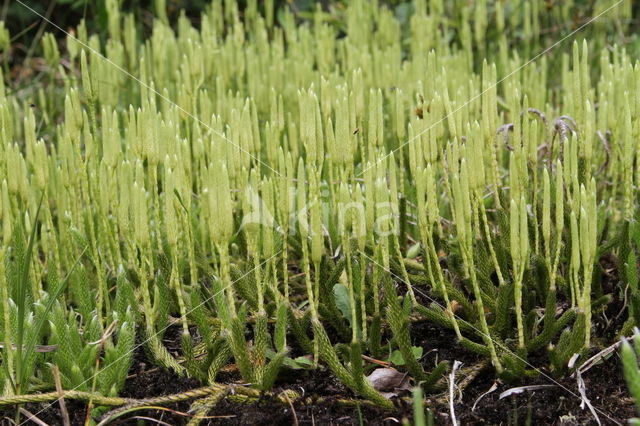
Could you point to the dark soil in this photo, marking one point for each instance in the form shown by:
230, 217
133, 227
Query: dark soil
558, 405
325, 401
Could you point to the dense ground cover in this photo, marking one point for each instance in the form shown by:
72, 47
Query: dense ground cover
286, 215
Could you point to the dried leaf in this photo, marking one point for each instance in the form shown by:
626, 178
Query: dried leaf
389, 381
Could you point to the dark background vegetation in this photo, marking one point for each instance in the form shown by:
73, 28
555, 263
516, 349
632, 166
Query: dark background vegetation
69, 13
23, 23
26, 28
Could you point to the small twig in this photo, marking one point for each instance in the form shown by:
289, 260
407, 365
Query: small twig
105, 335
452, 379
582, 388
301, 274
32, 417
293, 410
596, 358
63, 406
376, 361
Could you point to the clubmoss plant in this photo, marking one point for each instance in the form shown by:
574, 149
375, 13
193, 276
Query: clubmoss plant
631, 370
284, 186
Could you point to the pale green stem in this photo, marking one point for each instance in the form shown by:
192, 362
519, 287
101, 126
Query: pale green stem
487, 232
518, 274
310, 296
435, 264
405, 275
363, 305
225, 276
177, 287
471, 271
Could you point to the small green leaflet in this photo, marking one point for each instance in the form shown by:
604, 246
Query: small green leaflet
396, 357
341, 295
